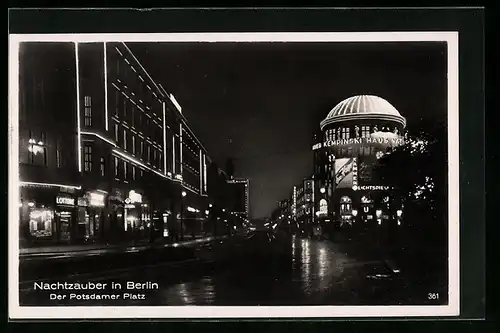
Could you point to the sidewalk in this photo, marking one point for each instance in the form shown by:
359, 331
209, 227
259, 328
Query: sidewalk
94, 249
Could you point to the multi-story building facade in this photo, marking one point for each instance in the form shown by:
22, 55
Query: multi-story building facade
105, 152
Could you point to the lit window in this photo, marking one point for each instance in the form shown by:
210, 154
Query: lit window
125, 139
345, 133
133, 144
117, 167
88, 111
103, 167
87, 156
365, 131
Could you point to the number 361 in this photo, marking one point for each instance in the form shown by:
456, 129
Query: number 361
433, 296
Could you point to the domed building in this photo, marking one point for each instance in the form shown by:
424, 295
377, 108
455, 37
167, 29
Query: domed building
354, 135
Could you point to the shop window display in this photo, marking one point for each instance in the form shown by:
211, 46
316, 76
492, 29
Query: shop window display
41, 221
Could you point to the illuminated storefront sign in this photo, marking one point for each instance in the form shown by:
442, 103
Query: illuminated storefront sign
133, 197
65, 201
96, 199
371, 188
353, 141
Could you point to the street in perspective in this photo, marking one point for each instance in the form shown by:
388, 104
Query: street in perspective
237, 174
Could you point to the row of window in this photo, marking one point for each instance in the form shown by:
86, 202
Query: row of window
123, 170
364, 131
138, 146
130, 113
127, 73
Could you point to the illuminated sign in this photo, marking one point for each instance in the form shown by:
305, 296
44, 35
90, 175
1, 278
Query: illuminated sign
317, 146
380, 140
65, 201
371, 188
133, 197
96, 199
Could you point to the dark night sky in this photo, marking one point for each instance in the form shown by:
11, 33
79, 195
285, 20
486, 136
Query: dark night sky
261, 102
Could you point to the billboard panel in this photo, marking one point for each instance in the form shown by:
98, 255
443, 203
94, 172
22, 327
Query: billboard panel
344, 168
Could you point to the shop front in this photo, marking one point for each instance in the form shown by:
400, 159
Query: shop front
91, 216
47, 216
137, 216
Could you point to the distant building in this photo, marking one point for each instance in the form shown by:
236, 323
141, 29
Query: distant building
239, 196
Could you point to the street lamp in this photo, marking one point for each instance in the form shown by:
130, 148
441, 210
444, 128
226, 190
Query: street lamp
183, 194
322, 190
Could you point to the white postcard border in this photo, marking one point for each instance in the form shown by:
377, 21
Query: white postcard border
160, 312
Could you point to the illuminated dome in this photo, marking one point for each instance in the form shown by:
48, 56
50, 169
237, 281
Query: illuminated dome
363, 107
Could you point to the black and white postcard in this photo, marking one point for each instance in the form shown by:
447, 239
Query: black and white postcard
221, 175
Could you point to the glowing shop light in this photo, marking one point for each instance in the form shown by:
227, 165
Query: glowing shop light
35, 149
354, 212
399, 212
31, 204
207, 212
322, 190
183, 193
96, 199
223, 209
133, 197
378, 213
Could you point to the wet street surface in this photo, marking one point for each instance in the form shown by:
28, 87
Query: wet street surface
303, 271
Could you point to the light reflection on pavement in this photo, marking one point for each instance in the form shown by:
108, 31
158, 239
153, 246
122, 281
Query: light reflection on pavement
315, 272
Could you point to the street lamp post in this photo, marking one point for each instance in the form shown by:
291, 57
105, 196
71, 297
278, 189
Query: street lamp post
183, 194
